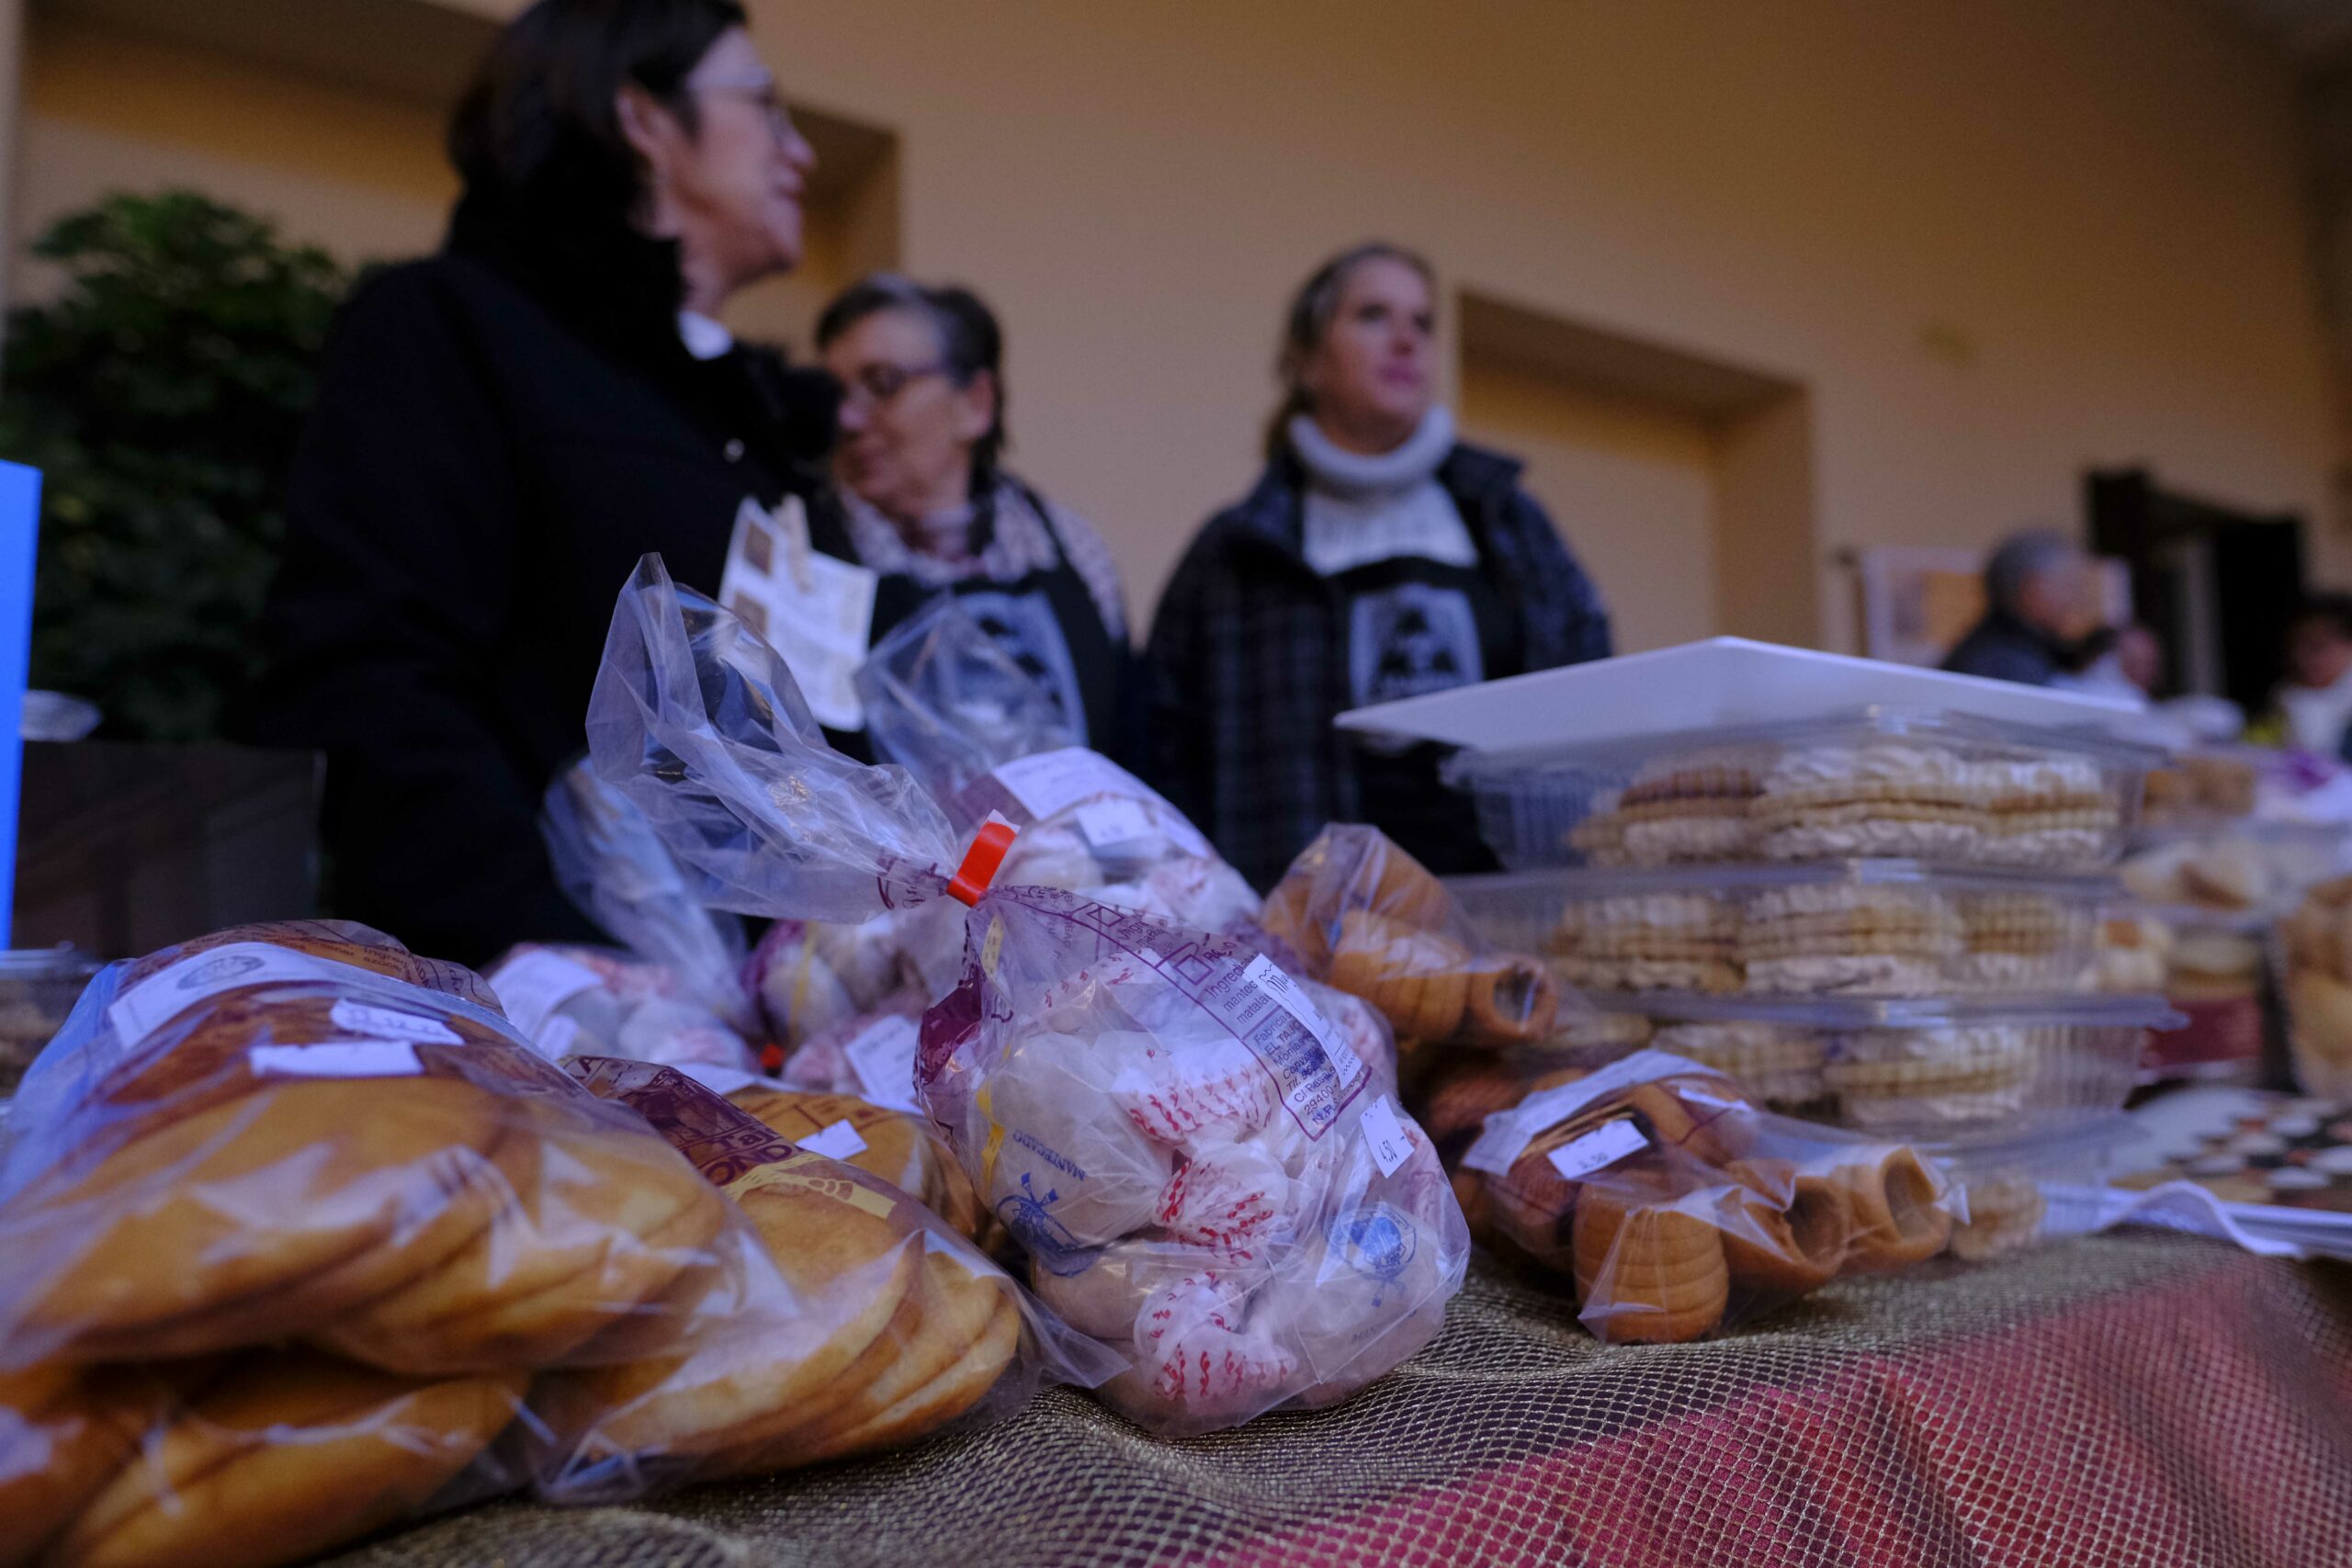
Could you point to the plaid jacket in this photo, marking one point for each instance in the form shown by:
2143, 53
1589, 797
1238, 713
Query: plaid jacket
1248, 665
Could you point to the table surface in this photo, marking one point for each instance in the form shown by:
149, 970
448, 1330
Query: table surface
2123, 1399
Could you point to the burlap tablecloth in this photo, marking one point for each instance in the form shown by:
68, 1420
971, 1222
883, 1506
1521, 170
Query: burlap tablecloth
2124, 1400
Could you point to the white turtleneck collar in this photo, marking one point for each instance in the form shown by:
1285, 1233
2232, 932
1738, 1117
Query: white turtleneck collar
1363, 508
1356, 473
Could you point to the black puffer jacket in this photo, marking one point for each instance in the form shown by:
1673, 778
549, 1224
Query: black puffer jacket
500, 432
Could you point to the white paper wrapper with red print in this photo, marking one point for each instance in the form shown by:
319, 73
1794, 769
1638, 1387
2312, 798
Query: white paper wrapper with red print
1202, 1170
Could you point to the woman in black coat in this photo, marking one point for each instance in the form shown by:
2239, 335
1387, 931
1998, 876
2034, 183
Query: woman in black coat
501, 430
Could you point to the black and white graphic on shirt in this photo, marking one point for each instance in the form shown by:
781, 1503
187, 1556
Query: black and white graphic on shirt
1412, 639
1024, 626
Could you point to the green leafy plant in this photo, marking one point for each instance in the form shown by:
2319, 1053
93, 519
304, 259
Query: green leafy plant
161, 393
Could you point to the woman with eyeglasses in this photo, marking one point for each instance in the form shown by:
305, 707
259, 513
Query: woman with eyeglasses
928, 505
503, 429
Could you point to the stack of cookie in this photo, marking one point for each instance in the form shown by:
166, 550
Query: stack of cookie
1888, 923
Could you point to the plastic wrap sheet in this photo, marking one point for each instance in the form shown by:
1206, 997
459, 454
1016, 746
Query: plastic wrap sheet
2116, 1401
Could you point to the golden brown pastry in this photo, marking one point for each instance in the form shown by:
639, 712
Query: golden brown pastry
1781, 1236
360, 1184
1418, 980
1512, 1001
283, 1455
1892, 1209
64, 1433
1646, 1274
899, 1148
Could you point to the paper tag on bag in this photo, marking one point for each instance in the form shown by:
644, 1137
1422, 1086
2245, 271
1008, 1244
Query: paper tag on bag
555, 1037
162, 997
815, 611
1107, 824
391, 1024
341, 1059
1267, 976
1604, 1146
883, 1058
1508, 1133
839, 1140
1385, 1136
1055, 780
535, 984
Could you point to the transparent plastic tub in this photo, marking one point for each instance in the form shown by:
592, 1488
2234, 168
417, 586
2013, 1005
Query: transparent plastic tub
1883, 782
38, 988
1949, 1072
2215, 968
1836, 928
2023, 1191
2313, 950
2250, 868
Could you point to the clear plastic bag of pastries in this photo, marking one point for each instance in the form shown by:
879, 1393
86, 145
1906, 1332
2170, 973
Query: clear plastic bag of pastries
295, 1220
982, 735
1671, 1206
244, 1460
304, 1134
903, 1150
887, 1325
1368, 920
1192, 1156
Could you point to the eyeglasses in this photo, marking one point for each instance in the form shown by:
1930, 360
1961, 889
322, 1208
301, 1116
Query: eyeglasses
761, 92
882, 381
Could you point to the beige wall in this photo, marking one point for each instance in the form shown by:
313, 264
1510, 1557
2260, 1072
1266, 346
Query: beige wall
358, 172
1996, 241
1639, 481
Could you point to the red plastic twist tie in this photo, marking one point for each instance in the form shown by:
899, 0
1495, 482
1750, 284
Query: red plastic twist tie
980, 863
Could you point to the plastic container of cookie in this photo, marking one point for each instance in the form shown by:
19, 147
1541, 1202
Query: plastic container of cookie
1878, 783
1828, 928
1949, 1072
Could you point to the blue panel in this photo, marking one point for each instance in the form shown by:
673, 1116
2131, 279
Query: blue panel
19, 531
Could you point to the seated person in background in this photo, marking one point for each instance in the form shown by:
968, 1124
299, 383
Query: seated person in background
2041, 601
2312, 710
928, 506
2116, 661
1377, 557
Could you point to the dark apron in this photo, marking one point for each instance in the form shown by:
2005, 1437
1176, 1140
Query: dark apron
1408, 625
1046, 622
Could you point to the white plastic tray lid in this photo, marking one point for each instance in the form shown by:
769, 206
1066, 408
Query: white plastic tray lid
1701, 685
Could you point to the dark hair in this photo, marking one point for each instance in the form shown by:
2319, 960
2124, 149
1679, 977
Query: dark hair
970, 342
1312, 310
2021, 558
538, 129
2333, 609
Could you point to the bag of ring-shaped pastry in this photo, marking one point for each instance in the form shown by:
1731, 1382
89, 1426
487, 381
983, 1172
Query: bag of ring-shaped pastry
303, 1237
1670, 1205
1367, 918
1202, 1171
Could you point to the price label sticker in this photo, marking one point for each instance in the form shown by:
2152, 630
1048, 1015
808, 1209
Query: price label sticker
341, 1059
883, 1058
1267, 976
1601, 1148
839, 1140
391, 1024
535, 984
1107, 824
1385, 1136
